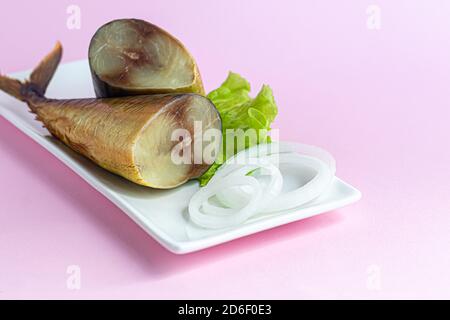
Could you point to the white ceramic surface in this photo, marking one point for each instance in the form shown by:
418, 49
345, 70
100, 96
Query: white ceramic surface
163, 214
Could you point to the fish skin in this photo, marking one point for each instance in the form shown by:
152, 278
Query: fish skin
81, 123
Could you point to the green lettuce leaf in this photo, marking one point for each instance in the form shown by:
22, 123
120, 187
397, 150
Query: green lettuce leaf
240, 112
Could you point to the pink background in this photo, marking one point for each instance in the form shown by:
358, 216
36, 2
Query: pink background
377, 99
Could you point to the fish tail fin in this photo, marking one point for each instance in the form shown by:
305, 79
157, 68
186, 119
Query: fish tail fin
39, 78
43, 73
12, 87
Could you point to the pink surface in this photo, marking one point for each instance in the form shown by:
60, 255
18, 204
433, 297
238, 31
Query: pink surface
377, 99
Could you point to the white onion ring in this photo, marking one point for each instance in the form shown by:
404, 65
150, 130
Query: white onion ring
237, 196
209, 208
224, 220
306, 193
288, 200
245, 196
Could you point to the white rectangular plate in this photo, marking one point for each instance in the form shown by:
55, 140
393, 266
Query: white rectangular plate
161, 213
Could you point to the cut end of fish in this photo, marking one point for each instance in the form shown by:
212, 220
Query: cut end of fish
131, 56
173, 148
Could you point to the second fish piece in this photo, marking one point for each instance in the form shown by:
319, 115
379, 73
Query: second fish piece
131, 56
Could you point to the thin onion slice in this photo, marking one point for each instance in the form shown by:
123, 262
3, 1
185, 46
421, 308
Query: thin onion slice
211, 209
224, 220
304, 194
245, 196
308, 192
238, 196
